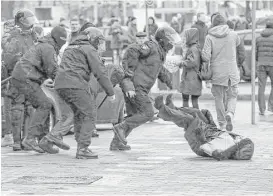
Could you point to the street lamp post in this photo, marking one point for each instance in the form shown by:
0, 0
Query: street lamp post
253, 61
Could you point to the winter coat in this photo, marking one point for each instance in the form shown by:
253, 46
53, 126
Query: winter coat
79, 61
203, 31
15, 44
264, 48
143, 64
39, 63
132, 31
220, 50
152, 29
190, 81
116, 40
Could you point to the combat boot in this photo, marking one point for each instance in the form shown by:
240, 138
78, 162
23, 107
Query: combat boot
117, 145
86, 153
32, 143
57, 141
47, 146
17, 146
7, 140
159, 102
120, 132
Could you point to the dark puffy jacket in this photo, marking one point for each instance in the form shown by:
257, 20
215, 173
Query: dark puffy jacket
79, 60
143, 64
15, 44
203, 31
264, 48
39, 63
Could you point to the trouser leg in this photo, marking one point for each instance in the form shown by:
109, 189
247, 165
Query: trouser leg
185, 99
179, 117
17, 118
194, 100
232, 94
144, 110
7, 113
218, 92
270, 100
83, 106
262, 77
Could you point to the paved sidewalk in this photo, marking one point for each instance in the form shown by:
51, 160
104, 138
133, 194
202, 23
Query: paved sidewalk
245, 91
160, 163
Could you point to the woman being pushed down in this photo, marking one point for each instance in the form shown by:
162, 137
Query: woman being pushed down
202, 134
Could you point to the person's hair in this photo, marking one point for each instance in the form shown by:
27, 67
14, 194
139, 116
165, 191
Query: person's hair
152, 19
214, 14
75, 19
219, 20
269, 23
133, 18
230, 24
199, 14
86, 25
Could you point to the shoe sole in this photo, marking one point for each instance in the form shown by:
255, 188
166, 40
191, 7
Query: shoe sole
229, 126
60, 145
29, 146
116, 132
84, 157
118, 149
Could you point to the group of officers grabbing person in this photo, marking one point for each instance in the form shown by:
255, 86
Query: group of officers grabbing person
31, 63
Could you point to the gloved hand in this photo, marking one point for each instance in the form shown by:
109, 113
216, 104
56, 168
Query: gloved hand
131, 94
112, 98
49, 83
170, 86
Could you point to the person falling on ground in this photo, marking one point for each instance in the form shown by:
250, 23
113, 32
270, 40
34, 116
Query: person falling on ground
202, 134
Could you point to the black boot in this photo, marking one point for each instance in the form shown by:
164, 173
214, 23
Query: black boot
32, 143
120, 132
117, 145
85, 153
57, 141
159, 102
47, 146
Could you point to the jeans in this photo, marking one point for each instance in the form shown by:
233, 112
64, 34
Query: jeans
219, 92
263, 73
82, 104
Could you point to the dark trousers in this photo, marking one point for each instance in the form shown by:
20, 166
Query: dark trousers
194, 100
37, 98
139, 109
83, 105
263, 73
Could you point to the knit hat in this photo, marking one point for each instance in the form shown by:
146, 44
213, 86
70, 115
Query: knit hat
269, 23
141, 34
218, 20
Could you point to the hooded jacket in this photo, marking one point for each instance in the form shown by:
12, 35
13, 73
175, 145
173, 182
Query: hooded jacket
80, 60
264, 48
39, 63
143, 64
190, 82
220, 51
203, 31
